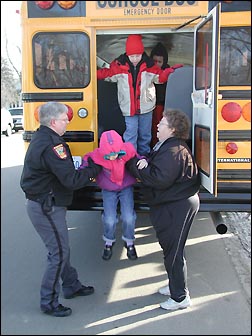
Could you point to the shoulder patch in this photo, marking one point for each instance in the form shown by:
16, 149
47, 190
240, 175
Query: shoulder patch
60, 151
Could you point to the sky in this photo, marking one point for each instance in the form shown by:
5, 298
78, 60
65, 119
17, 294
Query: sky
10, 27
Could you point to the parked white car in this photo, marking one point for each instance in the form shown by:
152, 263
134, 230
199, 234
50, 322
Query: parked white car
17, 116
6, 122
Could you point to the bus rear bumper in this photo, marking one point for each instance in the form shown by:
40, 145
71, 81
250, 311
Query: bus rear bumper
229, 199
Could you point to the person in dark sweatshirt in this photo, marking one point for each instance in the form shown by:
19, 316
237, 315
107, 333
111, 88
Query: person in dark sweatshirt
159, 55
171, 185
48, 180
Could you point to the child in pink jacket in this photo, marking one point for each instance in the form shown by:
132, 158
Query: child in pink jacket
117, 187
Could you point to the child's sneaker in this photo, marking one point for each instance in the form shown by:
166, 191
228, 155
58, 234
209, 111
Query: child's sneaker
131, 252
107, 252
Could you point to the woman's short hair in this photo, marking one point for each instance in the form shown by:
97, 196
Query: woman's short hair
178, 120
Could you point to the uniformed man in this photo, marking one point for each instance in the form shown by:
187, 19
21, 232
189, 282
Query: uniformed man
48, 180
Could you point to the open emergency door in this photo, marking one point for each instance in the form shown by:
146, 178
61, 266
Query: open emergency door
204, 98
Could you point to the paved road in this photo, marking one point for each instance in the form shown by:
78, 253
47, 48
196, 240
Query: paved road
126, 301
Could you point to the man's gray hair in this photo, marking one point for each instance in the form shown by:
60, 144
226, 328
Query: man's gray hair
49, 111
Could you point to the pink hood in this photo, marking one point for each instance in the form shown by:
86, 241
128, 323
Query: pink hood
111, 142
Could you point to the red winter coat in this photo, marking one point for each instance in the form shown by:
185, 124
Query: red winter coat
135, 96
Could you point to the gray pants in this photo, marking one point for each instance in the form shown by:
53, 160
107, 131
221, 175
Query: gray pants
53, 231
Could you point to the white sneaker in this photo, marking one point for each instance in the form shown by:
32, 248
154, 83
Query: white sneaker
164, 290
170, 304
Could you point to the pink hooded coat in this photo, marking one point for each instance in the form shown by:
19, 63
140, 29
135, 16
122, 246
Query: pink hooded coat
114, 176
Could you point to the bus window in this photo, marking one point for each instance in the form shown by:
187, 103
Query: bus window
202, 153
203, 57
231, 6
61, 60
235, 56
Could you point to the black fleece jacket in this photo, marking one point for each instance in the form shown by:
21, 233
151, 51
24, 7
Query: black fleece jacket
171, 175
48, 167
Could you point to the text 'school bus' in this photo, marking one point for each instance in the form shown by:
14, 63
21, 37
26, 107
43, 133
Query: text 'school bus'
65, 42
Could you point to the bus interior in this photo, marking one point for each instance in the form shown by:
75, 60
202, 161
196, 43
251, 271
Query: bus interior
179, 46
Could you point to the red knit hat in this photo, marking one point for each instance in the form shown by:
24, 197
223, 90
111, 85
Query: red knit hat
134, 45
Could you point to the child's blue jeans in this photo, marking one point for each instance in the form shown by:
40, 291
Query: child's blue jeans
138, 132
110, 217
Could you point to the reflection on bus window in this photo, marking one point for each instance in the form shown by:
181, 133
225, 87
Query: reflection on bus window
61, 60
235, 56
203, 56
202, 146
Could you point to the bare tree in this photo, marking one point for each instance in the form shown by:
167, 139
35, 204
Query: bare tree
11, 75
9, 93
18, 72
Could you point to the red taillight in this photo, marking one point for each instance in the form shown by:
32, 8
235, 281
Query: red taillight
44, 4
69, 112
231, 112
246, 112
36, 114
66, 4
231, 148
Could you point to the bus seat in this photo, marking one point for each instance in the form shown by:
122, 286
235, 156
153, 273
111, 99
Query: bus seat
178, 90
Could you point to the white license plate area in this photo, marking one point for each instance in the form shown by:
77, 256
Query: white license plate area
77, 161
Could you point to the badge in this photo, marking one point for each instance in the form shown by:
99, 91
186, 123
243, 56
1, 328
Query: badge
60, 151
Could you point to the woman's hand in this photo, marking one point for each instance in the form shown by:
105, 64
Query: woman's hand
142, 164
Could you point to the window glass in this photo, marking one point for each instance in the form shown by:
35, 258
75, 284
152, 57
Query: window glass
204, 56
61, 60
16, 111
235, 56
202, 146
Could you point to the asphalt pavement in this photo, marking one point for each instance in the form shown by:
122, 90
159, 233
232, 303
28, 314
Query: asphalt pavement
125, 301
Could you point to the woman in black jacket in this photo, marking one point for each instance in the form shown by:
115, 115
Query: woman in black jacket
171, 183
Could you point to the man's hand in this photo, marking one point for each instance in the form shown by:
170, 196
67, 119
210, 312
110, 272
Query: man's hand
96, 169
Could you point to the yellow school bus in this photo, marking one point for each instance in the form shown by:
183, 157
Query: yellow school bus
65, 42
